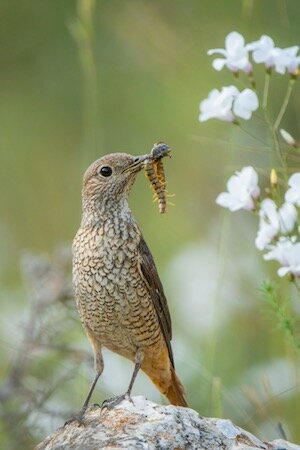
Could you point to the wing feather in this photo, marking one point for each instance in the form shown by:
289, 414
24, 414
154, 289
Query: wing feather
149, 272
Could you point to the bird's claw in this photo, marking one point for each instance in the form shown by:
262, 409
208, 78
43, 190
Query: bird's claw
111, 403
96, 405
76, 418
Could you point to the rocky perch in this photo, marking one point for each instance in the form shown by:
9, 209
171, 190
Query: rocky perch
145, 425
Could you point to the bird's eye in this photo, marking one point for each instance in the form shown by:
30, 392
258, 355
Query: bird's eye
106, 171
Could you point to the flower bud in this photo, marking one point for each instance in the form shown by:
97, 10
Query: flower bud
273, 178
288, 138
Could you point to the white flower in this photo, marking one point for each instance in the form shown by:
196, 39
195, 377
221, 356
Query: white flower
218, 104
273, 221
235, 54
286, 59
242, 190
263, 51
228, 103
287, 253
293, 194
290, 59
281, 59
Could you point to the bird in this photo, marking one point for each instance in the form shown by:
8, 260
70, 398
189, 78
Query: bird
119, 295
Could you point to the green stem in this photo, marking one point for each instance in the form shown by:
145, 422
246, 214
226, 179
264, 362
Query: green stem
222, 247
277, 148
266, 90
284, 104
275, 140
296, 285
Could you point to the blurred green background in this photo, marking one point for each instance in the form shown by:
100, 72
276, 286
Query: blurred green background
78, 80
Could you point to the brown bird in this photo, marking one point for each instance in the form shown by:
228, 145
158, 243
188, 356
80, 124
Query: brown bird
118, 292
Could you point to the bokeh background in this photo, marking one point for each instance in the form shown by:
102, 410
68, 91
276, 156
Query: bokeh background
81, 79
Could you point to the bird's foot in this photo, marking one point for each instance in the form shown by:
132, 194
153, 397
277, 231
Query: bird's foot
96, 405
77, 418
110, 403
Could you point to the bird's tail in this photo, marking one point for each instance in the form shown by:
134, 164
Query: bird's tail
169, 385
175, 392
160, 370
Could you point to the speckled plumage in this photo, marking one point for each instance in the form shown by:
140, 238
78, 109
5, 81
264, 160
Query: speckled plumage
118, 293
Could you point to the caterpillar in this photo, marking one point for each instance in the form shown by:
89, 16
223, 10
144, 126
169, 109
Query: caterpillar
155, 173
160, 171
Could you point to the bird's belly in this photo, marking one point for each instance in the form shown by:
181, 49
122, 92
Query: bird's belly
119, 312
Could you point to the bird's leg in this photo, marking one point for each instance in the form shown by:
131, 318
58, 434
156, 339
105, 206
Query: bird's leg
139, 356
99, 366
87, 400
112, 402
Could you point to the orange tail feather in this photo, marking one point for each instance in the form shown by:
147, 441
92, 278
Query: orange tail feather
171, 388
175, 393
160, 370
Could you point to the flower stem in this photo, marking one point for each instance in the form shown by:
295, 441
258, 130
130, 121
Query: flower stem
251, 134
284, 104
266, 90
275, 140
296, 285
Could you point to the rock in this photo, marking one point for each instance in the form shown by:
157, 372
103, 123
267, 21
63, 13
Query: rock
144, 425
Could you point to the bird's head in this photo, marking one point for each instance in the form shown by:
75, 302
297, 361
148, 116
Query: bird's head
109, 179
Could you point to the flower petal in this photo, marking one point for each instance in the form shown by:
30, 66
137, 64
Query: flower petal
245, 104
234, 40
287, 217
213, 51
294, 180
218, 63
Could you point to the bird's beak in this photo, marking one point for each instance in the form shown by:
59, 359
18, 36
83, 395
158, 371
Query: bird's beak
136, 165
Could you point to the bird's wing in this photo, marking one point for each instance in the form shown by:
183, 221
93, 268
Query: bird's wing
149, 272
